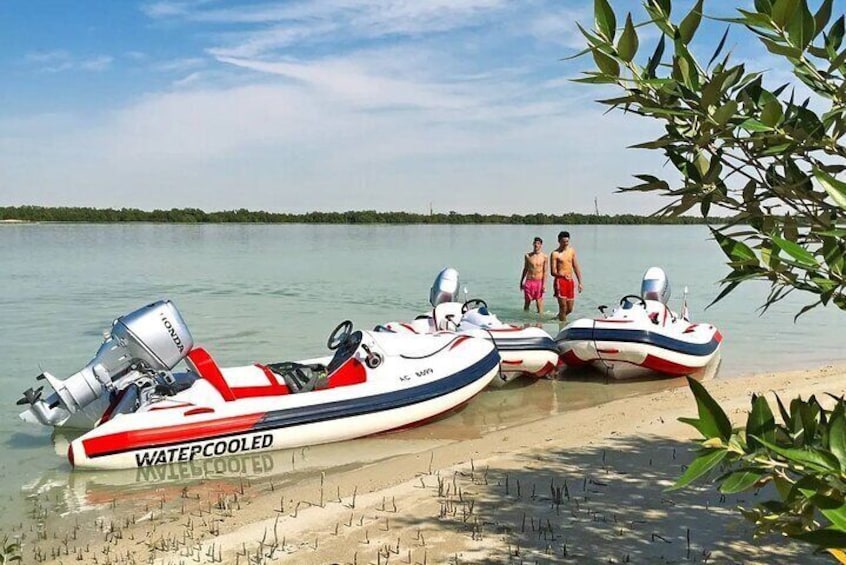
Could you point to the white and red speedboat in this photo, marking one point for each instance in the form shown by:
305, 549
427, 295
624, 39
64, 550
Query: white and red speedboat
641, 336
524, 350
373, 383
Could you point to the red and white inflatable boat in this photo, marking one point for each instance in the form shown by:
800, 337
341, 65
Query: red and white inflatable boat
374, 382
524, 350
641, 336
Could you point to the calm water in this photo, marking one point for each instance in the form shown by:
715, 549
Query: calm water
266, 293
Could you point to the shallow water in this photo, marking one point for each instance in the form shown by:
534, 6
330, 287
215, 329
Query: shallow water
268, 293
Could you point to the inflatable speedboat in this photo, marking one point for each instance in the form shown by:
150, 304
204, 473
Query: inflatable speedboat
641, 336
524, 350
373, 383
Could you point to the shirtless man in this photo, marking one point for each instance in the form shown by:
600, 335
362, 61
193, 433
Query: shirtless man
533, 278
563, 265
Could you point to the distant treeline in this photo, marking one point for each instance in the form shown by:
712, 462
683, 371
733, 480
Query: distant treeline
193, 215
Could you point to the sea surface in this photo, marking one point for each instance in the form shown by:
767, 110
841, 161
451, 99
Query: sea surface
274, 292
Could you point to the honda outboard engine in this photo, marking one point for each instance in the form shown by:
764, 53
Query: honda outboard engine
655, 285
148, 341
445, 287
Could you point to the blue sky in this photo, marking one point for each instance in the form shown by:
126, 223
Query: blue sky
304, 105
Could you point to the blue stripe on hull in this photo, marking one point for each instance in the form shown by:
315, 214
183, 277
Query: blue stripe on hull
640, 336
378, 402
525, 343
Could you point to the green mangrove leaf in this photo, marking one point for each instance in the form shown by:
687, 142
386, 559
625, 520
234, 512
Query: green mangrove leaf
725, 112
837, 434
760, 422
606, 64
699, 467
628, 43
734, 249
801, 26
802, 256
822, 16
837, 516
835, 34
771, 114
752, 125
606, 21
813, 458
780, 49
690, 23
741, 480
719, 48
655, 59
711, 415
828, 537
783, 10
835, 188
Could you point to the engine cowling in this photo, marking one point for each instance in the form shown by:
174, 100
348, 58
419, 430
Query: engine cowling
655, 285
151, 339
445, 288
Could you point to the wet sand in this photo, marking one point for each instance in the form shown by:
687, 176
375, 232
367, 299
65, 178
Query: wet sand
581, 485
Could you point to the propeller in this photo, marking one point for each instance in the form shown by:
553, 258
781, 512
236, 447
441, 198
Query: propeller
30, 396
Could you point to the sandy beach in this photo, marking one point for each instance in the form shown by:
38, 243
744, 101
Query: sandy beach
585, 486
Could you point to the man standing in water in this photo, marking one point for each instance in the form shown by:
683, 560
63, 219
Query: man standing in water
533, 278
563, 265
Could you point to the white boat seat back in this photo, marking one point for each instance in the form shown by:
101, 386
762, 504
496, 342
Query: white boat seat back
447, 316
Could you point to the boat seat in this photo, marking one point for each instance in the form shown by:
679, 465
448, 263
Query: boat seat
299, 377
447, 316
199, 361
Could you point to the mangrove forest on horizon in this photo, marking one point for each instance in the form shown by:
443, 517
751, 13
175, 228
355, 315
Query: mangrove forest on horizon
194, 215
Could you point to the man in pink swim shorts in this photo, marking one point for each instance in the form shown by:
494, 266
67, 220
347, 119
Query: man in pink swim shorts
533, 277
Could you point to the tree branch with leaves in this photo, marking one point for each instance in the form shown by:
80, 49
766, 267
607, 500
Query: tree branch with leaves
767, 157
770, 158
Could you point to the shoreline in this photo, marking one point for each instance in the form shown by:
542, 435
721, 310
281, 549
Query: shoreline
581, 486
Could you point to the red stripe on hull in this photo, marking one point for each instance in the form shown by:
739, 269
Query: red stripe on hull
138, 439
659, 365
459, 340
572, 360
548, 369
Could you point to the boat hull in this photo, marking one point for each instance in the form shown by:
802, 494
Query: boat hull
403, 396
524, 350
635, 347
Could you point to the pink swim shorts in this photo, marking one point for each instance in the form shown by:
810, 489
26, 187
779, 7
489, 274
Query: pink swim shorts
533, 289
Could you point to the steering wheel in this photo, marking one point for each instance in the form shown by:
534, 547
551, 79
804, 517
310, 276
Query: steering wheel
340, 335
471, 304
640, 300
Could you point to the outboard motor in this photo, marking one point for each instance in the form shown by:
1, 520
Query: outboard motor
150, 340
445, 288
655, 285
